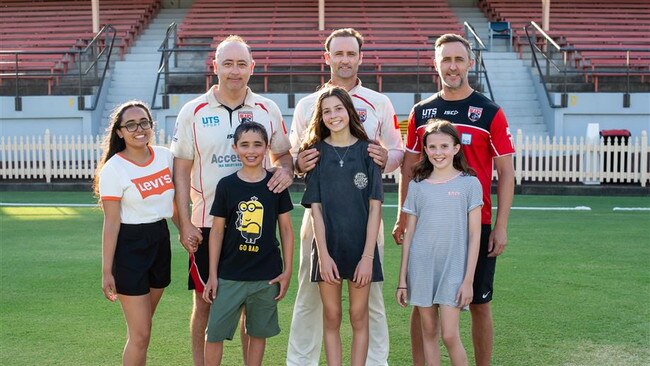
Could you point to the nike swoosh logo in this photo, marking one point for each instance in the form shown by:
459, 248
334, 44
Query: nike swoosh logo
485, 295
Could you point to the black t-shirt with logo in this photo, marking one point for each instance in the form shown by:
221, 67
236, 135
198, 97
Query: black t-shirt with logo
344, 191
250, 250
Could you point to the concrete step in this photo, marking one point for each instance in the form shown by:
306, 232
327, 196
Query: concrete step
513, 89
499, 56
158, 25
150, 44
148, 51
117, 99
145, 83
516, 96
142, 57
499, 80
136, 66
526, 120
526, 104
507, 68
520, 111
491, 61
123, 83
133, 89
152, 37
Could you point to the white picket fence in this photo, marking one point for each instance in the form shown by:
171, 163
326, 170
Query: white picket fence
537, 159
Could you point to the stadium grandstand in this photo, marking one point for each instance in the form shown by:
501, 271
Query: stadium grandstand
559, 68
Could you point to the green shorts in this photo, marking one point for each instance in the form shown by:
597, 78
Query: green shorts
257, 297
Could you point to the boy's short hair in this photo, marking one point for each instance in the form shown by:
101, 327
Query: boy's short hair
248, 127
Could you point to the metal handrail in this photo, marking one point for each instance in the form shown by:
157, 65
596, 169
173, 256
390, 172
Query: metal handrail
163, 66
478, 57
106, 48
549, 61
95, 42
565, 69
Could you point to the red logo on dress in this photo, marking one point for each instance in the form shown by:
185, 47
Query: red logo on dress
156, 183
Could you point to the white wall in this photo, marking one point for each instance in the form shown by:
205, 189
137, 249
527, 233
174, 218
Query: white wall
603, 108
59, 114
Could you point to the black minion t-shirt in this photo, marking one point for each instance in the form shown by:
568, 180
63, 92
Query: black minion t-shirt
250, 250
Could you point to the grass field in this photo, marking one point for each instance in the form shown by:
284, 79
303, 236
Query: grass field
573, 288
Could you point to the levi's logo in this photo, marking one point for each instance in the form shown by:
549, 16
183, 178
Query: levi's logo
156, 183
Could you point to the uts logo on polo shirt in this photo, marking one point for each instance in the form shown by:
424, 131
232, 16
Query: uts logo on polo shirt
210, 121
156, 183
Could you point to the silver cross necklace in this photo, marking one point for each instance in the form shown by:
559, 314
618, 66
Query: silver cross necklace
341, 157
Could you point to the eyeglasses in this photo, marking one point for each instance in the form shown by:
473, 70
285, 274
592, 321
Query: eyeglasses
133, 126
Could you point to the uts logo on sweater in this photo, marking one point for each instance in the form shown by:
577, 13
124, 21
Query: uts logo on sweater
429, 113
156, 183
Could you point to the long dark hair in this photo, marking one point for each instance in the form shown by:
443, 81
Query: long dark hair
423, 169
112, 143
317, 131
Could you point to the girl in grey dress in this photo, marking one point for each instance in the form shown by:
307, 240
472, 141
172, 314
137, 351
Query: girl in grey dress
442, 239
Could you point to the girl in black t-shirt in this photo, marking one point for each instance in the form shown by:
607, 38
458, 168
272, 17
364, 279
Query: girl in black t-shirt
344, 192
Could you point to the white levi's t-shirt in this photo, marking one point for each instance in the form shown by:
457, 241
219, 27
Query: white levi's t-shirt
145, 192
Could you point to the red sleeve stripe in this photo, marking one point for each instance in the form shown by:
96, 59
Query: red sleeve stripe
198, 152
496, 152
198, 108
284, 127
111, 198
366, 101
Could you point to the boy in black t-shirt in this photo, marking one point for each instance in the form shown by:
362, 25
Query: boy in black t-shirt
246, 266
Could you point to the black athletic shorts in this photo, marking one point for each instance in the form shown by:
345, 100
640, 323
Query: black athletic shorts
484, 274
142, 258
199, 264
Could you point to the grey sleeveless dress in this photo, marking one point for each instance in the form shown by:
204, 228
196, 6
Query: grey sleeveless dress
438, 252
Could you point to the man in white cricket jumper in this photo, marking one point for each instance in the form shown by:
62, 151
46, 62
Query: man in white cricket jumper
343, 55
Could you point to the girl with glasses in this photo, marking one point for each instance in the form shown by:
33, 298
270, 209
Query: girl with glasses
134, 184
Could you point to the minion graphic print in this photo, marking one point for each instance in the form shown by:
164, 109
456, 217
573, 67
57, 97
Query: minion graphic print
250, 250
250, 220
